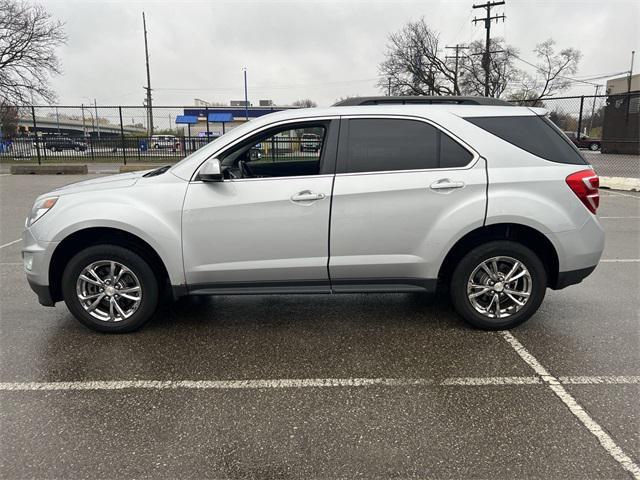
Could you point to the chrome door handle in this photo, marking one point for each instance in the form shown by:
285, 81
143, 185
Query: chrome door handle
446, 184
307, 196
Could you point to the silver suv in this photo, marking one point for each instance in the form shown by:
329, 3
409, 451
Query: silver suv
491, 203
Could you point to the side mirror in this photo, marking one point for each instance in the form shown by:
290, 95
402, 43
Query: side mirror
211, 171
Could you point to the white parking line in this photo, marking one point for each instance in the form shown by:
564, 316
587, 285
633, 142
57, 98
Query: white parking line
614, 218
306, 383
10, 243
620, 260
599, 380
217, 384
574, 407
616, 194
484, 381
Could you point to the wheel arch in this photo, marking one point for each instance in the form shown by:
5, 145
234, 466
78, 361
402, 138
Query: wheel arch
91, 236
528, 236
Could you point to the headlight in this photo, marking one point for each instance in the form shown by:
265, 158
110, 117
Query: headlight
40, 208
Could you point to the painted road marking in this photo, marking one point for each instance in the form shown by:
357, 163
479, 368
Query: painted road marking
599, 380
610, 218
10, 243
574, 407
307, 383
621, 194
620, 260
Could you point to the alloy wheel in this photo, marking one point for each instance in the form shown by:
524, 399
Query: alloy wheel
499, 287
109, 291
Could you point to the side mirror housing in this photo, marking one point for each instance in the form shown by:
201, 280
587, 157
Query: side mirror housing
211, 171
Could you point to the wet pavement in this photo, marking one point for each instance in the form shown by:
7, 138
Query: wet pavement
284, 386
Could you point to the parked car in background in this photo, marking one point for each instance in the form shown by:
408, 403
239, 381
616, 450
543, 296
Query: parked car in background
58, 144
583, 141
486, 202
164, 141
310, 142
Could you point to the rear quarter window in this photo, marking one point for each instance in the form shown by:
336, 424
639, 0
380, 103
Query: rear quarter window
534, 134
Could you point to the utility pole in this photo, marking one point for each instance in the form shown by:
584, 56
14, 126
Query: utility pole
486, 58
457, 48
593, 108
389, 87
148, 87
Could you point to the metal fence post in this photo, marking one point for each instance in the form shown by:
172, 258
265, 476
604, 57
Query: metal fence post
578, 133
206, 113
35, 132
124, 153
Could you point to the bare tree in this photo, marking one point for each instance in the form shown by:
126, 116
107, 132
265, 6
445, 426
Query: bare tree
415, 63
8, 121
28, 40
502, 71
304, 103
550, 72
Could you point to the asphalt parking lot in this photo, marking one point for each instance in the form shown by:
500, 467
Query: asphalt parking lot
343, 386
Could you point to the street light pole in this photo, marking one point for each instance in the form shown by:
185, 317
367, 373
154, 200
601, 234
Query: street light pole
246, 101
84, 126
95, 106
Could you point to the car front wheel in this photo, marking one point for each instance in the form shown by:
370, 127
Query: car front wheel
498, 285
109, 288
594, 147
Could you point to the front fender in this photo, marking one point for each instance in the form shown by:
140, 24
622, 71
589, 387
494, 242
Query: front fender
151, 212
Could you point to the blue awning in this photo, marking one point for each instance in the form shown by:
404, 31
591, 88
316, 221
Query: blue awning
221, 117
187, 119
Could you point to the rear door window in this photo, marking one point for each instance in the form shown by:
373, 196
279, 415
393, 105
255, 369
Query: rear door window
534, 134
390, 144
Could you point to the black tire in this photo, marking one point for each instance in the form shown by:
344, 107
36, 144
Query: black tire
594, 147
134, 262
465, 268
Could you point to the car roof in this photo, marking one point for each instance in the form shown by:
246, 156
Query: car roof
421, 100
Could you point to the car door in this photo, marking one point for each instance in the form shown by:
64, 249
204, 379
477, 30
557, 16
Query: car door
403, 190
265, 227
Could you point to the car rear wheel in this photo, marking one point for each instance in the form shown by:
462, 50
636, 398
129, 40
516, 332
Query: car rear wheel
498, 285
594, 147
109, 288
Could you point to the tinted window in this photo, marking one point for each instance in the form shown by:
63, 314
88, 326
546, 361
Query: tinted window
536, 135
452, 154
378, 144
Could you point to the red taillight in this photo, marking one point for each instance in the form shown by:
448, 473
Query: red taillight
585, 184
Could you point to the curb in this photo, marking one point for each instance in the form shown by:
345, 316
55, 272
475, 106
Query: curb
620, 183
49, 170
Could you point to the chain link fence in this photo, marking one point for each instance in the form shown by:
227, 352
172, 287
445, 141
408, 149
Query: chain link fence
605, 127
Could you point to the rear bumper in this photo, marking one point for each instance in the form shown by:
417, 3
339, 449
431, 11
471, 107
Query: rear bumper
572, 277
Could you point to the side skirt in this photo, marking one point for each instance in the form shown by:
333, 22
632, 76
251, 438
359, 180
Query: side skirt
360, 285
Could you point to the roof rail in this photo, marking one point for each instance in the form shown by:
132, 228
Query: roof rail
421, 100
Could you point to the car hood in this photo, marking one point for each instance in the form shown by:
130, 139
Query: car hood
121, 180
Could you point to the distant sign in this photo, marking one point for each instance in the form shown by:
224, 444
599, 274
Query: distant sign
188, 119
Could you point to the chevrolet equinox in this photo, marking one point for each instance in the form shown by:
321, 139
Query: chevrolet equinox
486, 201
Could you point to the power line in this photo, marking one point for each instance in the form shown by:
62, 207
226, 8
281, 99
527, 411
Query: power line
576, 80
271, 86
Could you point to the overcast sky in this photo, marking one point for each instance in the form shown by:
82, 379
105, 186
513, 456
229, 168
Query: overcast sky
315, 49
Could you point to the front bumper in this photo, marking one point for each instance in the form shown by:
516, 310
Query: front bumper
37, 255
